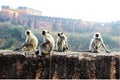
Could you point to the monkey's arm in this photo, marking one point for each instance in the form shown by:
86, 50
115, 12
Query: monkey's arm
56, 44
66, 44
49, 41
92, 44
26, 43
105, 48
45, 43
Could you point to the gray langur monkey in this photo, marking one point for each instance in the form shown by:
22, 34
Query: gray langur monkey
47, 47
30, 43
96, 43
62, 43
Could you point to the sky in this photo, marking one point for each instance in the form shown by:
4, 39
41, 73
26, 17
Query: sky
87, 10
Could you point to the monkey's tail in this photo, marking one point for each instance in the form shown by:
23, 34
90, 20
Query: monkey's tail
50, 66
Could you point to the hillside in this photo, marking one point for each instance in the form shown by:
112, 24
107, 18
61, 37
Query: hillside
61, 24
12, 36
79, 32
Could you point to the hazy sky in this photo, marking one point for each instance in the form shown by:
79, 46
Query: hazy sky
88, 10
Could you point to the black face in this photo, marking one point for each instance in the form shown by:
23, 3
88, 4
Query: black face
43, 32
27, 32
58, 34
96, 35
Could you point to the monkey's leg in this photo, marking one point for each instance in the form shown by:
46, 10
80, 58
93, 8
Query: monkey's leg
95, 50
39, 51
44, 50
65, 48
60, 48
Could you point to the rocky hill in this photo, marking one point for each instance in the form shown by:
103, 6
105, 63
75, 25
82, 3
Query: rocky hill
67, 65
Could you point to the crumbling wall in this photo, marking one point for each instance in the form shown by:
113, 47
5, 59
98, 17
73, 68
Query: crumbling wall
62, 67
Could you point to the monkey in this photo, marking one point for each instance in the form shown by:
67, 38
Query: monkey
96, 43
47, 47
62, 43
30, 43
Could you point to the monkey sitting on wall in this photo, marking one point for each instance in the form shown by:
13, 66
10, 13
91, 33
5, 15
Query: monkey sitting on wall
30, 43
96, 43
47, 47
62, 43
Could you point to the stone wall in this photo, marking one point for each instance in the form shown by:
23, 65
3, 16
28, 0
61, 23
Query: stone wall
70, 66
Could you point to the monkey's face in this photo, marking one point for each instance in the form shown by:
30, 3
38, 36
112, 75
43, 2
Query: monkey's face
96, 35
45, 32
28, 32
60, 34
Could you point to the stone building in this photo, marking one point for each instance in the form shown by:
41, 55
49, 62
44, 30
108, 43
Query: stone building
20, 10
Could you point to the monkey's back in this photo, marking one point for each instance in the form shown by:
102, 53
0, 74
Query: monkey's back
33, 43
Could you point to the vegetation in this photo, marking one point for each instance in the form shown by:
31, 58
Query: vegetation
12, 36
79, 32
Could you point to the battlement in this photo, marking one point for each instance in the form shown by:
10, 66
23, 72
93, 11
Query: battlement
20, 10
